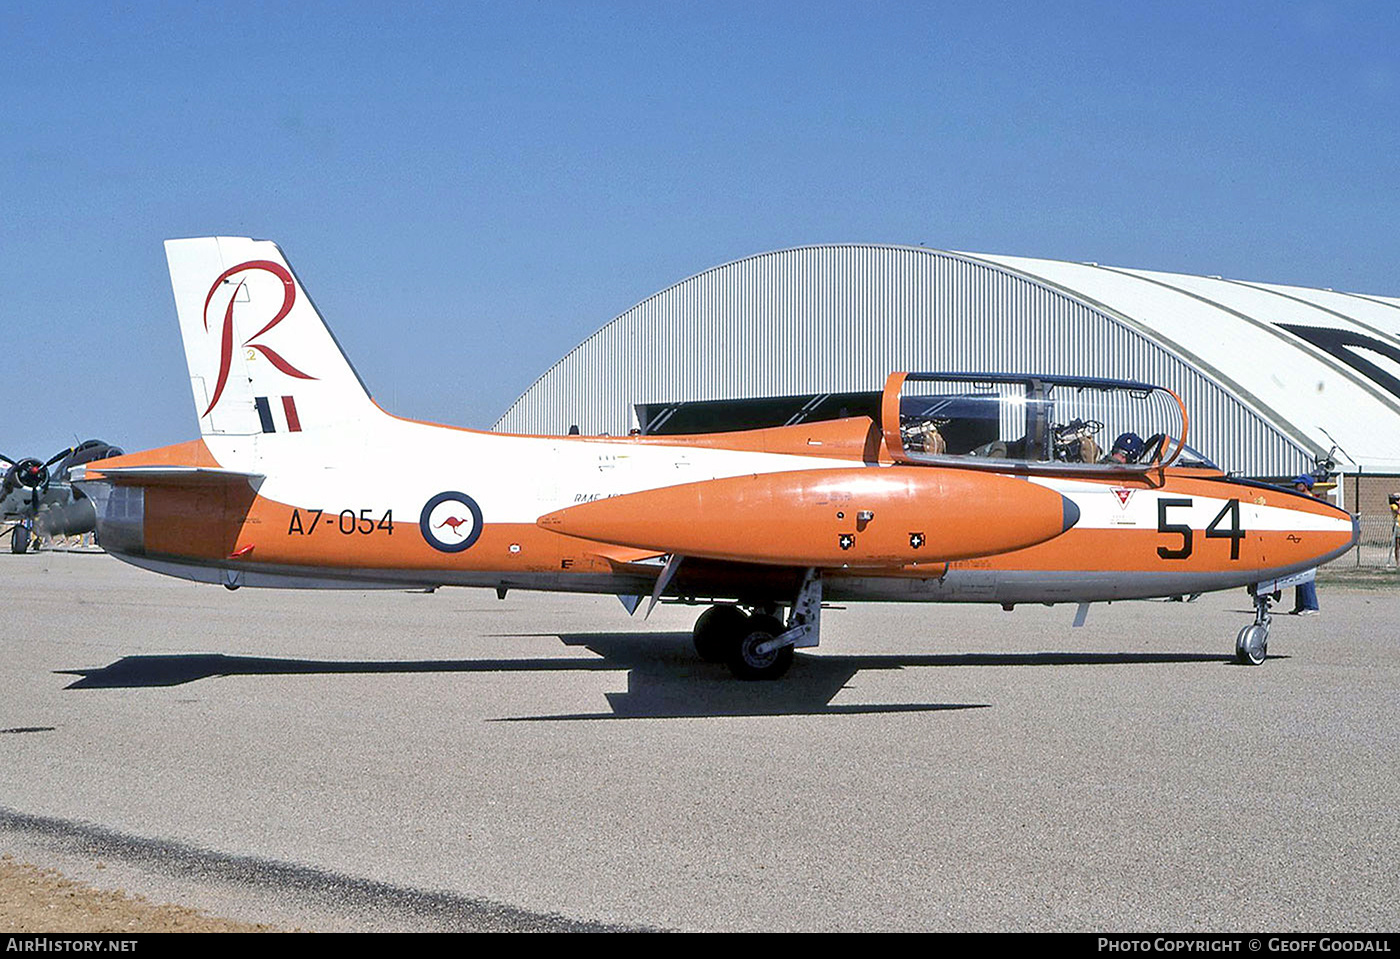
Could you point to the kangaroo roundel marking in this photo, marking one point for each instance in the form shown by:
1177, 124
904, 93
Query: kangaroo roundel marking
450, 522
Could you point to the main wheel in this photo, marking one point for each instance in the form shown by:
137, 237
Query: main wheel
1252, 644
746, 662
717, 630
19, 539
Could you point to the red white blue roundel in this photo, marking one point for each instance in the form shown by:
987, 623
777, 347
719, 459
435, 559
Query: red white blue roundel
450, 522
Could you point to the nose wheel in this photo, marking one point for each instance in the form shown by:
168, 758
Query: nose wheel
1252, 643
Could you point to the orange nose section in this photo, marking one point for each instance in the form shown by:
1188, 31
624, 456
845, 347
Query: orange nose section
1298, 531
829, 518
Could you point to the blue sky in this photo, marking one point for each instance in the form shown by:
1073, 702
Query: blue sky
493, 182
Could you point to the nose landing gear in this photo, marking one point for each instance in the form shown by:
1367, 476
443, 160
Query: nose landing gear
1252, 643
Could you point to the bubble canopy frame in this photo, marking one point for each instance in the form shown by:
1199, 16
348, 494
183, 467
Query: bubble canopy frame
1030, 422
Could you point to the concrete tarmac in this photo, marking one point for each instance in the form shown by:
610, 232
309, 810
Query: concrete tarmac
387, 760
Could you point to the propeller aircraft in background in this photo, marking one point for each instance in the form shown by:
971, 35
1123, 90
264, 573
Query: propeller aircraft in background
38, 499
969, 488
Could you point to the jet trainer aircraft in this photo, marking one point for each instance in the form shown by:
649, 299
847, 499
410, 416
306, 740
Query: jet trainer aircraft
39, 499
971, 488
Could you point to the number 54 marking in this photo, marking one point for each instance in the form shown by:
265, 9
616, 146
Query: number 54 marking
1234, 533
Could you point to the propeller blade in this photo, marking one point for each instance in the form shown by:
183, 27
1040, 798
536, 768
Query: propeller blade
58, 457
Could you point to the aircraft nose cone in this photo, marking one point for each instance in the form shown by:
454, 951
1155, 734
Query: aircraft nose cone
1070, 513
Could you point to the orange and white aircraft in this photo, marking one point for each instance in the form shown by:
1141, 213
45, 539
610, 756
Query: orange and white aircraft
973, 488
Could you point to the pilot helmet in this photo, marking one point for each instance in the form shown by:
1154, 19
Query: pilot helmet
1129, 444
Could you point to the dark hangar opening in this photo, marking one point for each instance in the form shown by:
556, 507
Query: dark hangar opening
725, 416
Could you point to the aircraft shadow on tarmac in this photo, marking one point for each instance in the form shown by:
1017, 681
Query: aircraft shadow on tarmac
665, 680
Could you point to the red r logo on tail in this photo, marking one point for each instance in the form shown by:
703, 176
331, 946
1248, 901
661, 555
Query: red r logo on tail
289, 295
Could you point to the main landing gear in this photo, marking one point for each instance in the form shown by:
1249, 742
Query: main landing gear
1252, 643
20, 537
758, 644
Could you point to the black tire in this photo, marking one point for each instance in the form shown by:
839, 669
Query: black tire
744, 663
19, 539
717, 630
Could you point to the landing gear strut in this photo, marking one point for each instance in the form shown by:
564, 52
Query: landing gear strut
1252, 643
759, 645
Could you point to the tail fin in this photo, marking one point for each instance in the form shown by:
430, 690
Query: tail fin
261, 358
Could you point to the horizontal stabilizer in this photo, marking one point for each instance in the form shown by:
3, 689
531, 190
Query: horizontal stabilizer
164, 476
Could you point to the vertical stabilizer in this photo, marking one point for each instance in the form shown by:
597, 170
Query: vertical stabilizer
260, 356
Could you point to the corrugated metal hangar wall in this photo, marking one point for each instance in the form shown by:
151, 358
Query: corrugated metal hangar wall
1274, 377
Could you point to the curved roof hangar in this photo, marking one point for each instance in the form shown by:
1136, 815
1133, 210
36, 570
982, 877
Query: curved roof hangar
1274, 376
